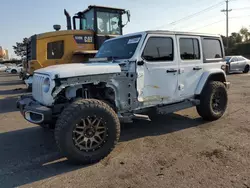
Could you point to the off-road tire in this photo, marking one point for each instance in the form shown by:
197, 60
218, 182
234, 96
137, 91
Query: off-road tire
246, 69
68, 120
205, 108
13, 71
228, 69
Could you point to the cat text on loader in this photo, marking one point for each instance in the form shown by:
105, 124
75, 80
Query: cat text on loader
91, 28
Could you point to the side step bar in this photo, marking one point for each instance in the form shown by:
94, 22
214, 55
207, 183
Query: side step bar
166, 109
177, 106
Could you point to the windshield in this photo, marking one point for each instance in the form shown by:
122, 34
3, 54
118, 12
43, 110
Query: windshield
122, 48
108, 23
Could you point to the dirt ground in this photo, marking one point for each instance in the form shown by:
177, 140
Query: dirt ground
179, 150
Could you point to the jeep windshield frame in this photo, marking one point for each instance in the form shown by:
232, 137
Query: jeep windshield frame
119, 48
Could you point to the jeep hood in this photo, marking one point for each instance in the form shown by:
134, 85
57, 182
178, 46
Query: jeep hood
79, 69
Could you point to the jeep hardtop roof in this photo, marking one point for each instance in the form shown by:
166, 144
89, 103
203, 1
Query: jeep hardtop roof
180, 33
166, 32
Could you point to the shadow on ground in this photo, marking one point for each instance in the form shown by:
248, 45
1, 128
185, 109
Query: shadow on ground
31, 154
164, 125
13, 82
8, 104
13, 91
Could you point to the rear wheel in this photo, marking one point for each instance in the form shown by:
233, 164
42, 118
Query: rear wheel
13, 71
213, 101
246, 69
87, 131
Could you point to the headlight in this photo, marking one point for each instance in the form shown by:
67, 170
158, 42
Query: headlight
46, 85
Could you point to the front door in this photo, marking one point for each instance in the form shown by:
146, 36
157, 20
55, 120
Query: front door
190, 64
157, 70
234, 64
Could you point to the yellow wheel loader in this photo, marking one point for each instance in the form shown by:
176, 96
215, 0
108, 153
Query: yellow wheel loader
77, 44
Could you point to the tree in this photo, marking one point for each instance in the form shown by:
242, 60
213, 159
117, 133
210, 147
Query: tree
237, 37
245, 33
20, 49
232, 40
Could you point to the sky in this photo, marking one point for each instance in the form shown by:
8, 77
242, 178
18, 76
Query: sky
21, 19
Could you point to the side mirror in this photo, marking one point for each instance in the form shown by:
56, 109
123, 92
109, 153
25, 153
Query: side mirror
140, 62
128, 18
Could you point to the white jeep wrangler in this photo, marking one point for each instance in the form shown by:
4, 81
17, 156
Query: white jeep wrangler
151, 73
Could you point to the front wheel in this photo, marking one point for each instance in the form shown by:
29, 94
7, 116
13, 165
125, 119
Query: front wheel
213, 101
87, 131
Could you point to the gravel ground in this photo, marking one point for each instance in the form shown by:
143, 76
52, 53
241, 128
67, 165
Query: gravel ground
179, 150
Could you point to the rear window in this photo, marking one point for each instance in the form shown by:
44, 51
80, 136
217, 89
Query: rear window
212, 49
241, 58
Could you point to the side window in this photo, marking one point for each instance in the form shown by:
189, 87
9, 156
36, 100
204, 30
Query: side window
159, 49
241, 58
234, 59
189, 49
212, 48
55, 50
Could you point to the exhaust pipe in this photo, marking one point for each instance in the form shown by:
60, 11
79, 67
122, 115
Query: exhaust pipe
68, 18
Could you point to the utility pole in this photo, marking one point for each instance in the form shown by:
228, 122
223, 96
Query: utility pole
227, 11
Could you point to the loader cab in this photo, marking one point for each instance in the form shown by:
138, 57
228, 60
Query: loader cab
81, 40
106, 22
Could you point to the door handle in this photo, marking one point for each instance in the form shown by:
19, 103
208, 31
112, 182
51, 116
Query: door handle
171, 70
197, 68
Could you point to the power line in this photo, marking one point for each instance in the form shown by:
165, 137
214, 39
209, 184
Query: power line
235, 17
192, 15
239, 17
208, 25
241, 8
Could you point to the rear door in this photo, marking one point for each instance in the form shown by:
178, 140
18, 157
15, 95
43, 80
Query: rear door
190, 64
241, 63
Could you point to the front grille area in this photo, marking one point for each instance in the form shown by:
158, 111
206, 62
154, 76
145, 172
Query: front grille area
37, 87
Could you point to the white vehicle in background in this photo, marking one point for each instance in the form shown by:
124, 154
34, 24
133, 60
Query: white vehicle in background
3, 68
15, 69
237, 64
151, 73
